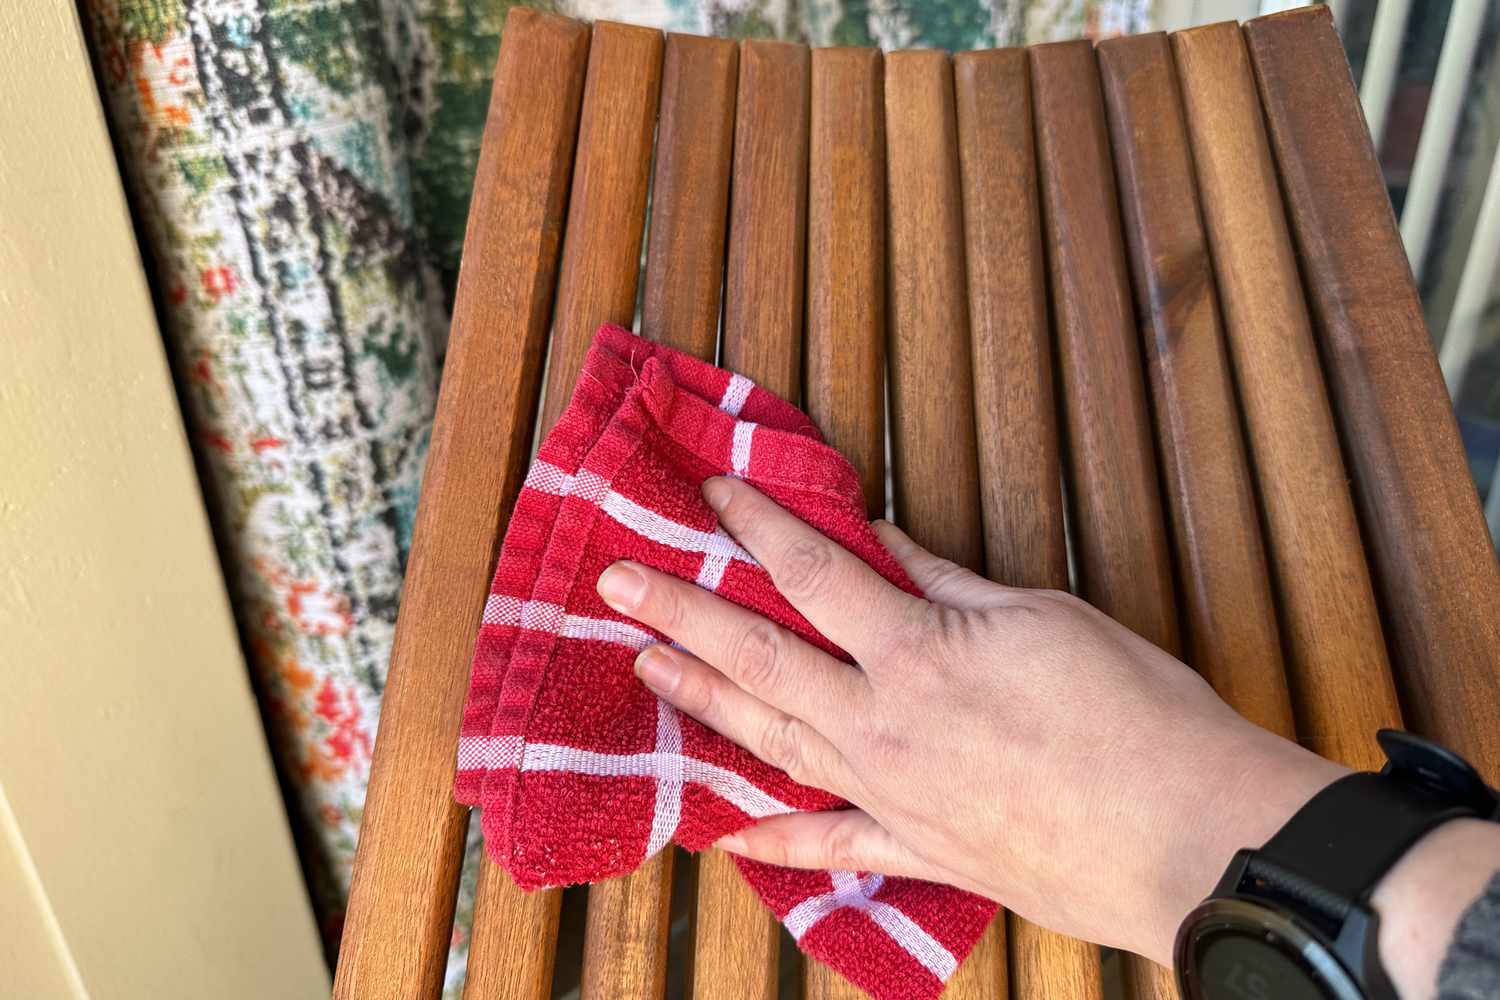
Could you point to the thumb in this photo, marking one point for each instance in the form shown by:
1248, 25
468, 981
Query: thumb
941, 581
842, 840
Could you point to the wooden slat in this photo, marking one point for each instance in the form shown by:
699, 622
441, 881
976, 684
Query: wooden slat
1336, 660
985, 971
845, 351
398, 925
625, 936
737, 939
690, 194
845, 337
515, 933
1119, 531
1118, 525
1015, 412
931, 371
1434, 568
601, 261
1227, 609
513, 944
933, 443
1230, 620
763, 302
1045, 965
625, 933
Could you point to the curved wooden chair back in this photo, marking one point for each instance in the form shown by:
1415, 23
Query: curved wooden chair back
1158, 278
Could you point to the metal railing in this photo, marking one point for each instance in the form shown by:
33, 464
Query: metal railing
1463, 327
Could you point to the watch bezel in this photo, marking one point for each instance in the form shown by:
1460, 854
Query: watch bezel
1270, 925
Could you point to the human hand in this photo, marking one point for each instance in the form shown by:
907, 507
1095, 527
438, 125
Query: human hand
1016, 743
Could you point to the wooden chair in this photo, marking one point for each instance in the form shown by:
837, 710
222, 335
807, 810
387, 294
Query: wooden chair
1165, 267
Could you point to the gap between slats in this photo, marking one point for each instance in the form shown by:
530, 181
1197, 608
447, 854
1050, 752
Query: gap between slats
737, 939
1116, 517
597, 283
930, 367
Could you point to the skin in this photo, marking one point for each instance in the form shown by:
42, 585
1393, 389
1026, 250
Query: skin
1016, 743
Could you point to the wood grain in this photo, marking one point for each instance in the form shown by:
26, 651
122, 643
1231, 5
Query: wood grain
845, 343
983, 973
1006, 286
933, 447
515, 932
513, 944
399, 921
845, 337
763, 284
931, 371
625, 938
1015, 412
1225, 586
1014, 409
737, 941
1435, 570
601, 261
1045, 965
690, 194
1336, 661
625, 934
1119, 531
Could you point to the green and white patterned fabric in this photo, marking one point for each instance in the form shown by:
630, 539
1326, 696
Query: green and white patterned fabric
300, 173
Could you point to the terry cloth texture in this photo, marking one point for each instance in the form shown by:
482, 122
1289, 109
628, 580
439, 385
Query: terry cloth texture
581, 772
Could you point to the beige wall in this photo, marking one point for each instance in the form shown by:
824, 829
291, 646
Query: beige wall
144, 850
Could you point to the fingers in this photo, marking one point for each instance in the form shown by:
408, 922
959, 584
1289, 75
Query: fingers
942, 581
756, 654
779, 739
844, 840
839, 593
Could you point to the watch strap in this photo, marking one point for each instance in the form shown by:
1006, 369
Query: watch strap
1332, 853
1343, 841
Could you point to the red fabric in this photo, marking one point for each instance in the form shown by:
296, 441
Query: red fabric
580, 771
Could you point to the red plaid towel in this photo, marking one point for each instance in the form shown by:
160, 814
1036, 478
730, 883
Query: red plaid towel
581, 772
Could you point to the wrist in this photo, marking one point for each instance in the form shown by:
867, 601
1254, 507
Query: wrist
1421, 899
1252, 786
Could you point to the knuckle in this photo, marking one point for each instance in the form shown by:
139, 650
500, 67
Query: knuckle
840, 846
1022, 614
774, 848
783, 745
697, 697
949, 577
760, 656
805, 567
1039, 612
1059, 600
662, 605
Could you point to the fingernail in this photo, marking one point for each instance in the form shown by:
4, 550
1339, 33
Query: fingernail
731, 842
622, 586
716, 492
658, 670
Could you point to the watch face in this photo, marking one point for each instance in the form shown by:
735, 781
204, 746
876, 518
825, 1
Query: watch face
1235, 966
1235, 949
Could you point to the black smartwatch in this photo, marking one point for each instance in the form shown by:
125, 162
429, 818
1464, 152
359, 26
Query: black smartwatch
1292, 921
